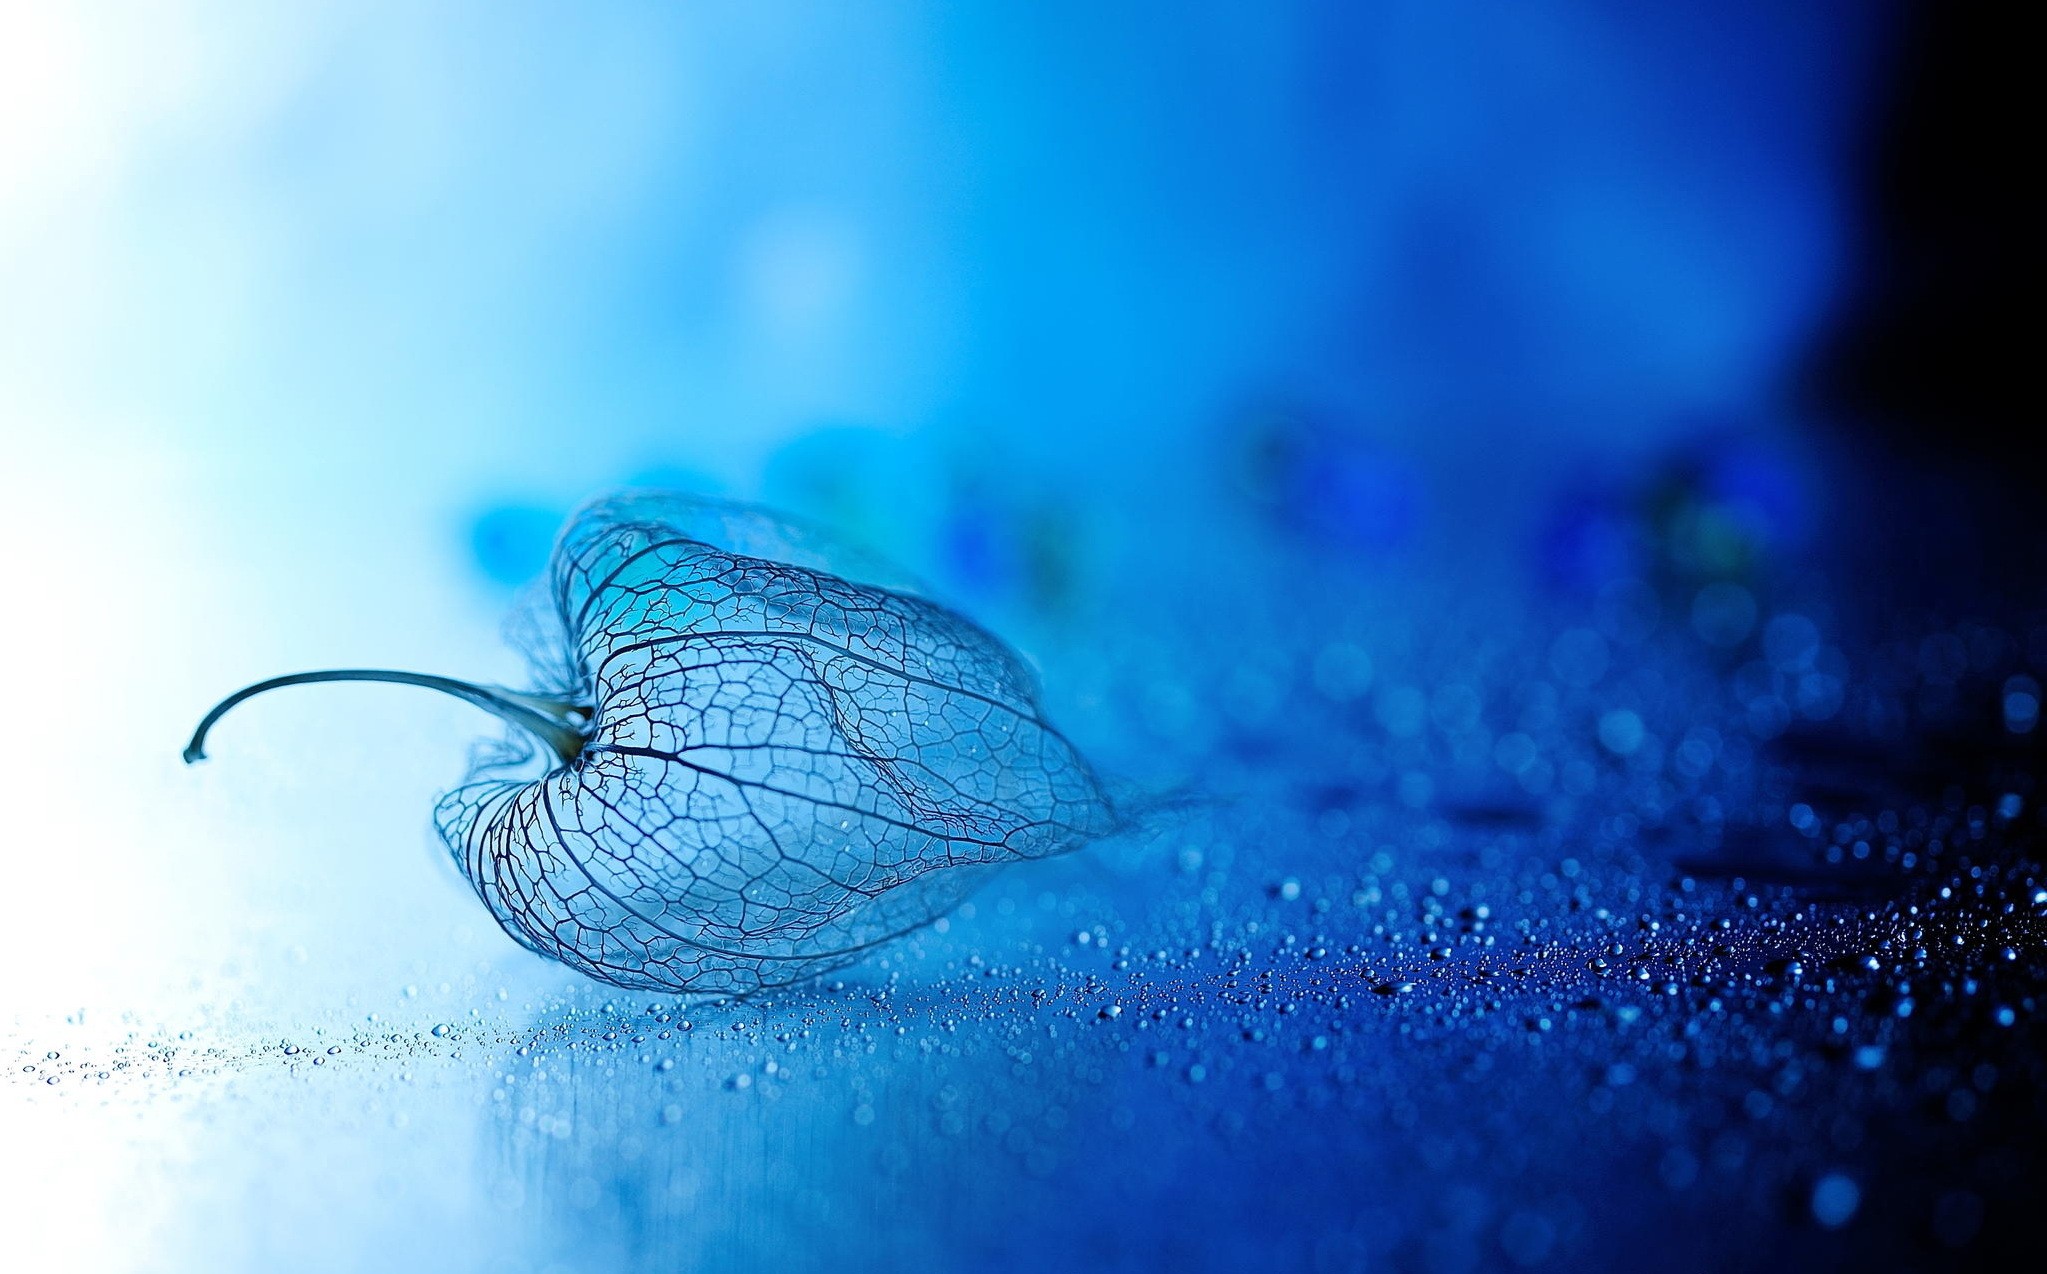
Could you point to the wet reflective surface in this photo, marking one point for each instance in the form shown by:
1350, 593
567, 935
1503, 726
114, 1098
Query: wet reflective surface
1573, 945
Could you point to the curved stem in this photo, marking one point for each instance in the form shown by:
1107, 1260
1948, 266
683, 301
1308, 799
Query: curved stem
554, 722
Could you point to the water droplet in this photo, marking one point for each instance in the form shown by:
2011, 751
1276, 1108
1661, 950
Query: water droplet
1835, 1197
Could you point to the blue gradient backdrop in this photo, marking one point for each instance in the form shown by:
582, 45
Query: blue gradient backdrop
319, 317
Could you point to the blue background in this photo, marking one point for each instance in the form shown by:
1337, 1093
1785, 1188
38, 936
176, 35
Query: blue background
1169, 340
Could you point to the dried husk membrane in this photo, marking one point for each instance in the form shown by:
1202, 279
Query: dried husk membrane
792, 756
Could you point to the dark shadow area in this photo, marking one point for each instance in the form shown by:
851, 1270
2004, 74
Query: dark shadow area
1929, 368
